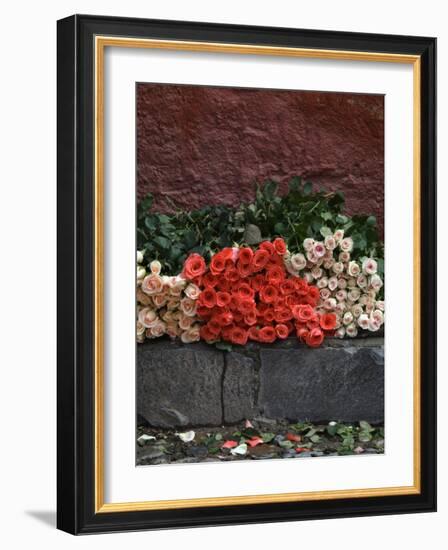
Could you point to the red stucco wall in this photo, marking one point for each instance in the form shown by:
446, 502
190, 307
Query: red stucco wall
207, 145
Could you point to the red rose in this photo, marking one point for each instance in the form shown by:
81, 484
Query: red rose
244, 270
281, 330
261, 258
227, 331
203, 312
303, 313
206, 334
222, 299
275, 275
315, 338
280, 246
238, 336
194, 266
287, 287
314, 293
250, 318
282, 315
245, 256
302, 334
207, 298
257, 282
301, 286
223, 318
228, 254
268, 294
244, 290
267, 334
327, 321
313, 323
269, 315
253, 333
218, 263
268, 246
214, 328
246, 305
231, 274
209, 280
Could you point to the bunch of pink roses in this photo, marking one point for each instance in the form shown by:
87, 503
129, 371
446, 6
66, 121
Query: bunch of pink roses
349, 289
165, 305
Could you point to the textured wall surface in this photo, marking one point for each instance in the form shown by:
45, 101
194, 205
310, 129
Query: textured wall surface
208, 145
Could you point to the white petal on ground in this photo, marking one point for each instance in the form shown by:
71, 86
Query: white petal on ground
240, 450
143, 438
186, 437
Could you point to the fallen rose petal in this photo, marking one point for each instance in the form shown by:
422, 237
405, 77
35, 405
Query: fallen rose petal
293, 437
230, 444
301, 449
143, 438
358, 450
248, 424
186, 437
240, 450
254, 441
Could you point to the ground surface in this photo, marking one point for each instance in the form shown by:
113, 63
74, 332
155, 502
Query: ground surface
259, 439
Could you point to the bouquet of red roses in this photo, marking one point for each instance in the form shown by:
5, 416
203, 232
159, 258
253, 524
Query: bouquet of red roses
248, 295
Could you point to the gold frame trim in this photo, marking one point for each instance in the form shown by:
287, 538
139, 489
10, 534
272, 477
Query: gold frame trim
101, 42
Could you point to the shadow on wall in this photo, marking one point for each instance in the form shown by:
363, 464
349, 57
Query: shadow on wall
203, 145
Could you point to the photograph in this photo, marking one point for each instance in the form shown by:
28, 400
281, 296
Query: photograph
260, 310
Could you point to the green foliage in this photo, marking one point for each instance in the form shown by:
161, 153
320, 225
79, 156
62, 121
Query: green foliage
302, 212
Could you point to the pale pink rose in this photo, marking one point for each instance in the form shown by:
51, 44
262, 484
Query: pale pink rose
317, 272
188, 307
308, 244
289, 267
298, 262
344, 257
354, 294
308, 277
361, 281
328, 255
338, 235
346, 245
324, 293
185, 322
322, 283
342, 283
140, 332
353, 269
235, 253
376, 282
328, 264
159, 300
373, 325
364, 299
173, 330
363, 321
351, 330
338, 267
372, 293
311, 257
351, 282
340, 332
330, 242
156, 267
157, 330
380, 305
190, 335
377, 316
167, 316
370, 305
357, 310
143, 298
340, 307
177, 281
152, 284
147, 317
348, 318
369, 266
192, 291
330, 303
319, 249
173, 303
341, 295
333, 283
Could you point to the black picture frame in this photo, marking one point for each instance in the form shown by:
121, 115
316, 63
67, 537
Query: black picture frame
76, 264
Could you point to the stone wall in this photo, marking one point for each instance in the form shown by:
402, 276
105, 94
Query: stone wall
205, 145
198, 385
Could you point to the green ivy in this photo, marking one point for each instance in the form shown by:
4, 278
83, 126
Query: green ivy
302, 212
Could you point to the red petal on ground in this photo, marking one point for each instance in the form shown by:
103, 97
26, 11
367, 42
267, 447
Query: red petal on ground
293, 437
229, 444
254, 441
301, 449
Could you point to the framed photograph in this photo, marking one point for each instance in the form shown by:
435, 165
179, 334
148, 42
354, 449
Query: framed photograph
246, 274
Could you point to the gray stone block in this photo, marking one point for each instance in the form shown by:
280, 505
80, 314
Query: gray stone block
239, 388
179, 385
344, 383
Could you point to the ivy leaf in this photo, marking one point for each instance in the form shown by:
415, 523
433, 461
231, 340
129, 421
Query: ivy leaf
252, 234
163, 242
307, 188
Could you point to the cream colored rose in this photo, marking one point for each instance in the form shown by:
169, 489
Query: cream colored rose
340, 308
188, 306
147, 317
152, 284
379, 305
325, 293
342, 283
340, 332
338, 268
338, 235
159, 300
141, 273
370, 305
311, 257
333, 283
328, 264
357, 310
353, 269
377, 316
298, 262
177, 284
330, 303
354, 294
376, 282
351, 282
308, 244
341, 295
369, 266
156, 267
330, 242
190, 335
140, 332
157, 330
185, 322
308, 277
317, 272
289, 267
351, 330
347, 318
172, 329
363, 321
344, 257
192, 291
143, 298
374, 325
139, 257
346, 245
361, 281
322, 283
